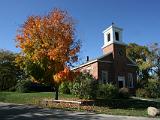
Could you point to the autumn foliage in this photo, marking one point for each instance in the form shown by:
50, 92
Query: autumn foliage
49, 41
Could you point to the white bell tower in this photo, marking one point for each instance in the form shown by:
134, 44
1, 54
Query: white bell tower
112, 34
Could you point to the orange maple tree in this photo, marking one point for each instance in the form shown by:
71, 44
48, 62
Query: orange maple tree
49, 41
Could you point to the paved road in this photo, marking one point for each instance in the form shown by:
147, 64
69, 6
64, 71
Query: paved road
26, 112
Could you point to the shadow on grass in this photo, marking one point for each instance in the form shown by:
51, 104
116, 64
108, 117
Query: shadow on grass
123, 103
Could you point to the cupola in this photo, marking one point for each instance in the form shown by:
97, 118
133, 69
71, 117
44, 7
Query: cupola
112, 34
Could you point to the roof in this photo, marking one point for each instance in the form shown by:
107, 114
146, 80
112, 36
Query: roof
104, 55
92, 61
99, 59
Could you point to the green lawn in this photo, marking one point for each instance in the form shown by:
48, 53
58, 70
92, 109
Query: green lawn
28, 98
130, 107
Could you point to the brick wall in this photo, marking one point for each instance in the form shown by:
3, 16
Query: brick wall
91, 68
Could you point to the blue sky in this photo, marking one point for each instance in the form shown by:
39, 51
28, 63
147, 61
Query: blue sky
140, 20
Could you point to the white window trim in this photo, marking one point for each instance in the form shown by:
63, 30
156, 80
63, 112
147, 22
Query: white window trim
106, 73
122, 78
129, 76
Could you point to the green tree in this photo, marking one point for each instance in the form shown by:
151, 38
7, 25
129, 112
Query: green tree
141, 55
48, 47
9, 72
155, 58
85, 86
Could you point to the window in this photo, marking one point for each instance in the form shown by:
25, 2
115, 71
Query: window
108, 37
104, 77
121, 81
130, 80
120, 52
117, 36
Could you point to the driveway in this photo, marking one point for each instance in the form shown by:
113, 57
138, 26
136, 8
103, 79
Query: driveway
25, 112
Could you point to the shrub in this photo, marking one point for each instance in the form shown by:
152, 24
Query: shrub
12, 89
29, 86
84, 86
107, 91
152, 88
23, 86
124, 93
141, 93
64, 88
75, 88
149, 90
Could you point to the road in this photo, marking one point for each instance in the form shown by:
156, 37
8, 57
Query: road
26, 112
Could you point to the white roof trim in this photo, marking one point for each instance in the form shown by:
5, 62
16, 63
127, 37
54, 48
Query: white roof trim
90, 63
96, 61
85, 64
112, 26
114, 42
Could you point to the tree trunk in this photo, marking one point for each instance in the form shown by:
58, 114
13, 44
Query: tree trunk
56, 91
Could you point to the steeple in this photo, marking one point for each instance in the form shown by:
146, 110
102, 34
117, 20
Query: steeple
112, 34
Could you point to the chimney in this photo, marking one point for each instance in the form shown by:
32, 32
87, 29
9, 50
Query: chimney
87, 58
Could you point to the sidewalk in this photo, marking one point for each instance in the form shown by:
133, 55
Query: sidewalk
10, 111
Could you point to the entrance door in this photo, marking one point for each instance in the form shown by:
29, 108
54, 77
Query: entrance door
121, 81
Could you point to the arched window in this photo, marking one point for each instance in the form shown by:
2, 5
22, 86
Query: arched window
130, 80
108, 37
117, 36
104, 77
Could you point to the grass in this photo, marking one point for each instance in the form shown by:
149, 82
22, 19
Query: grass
28, 98
129, 107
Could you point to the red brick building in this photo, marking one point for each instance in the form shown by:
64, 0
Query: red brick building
114, 66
